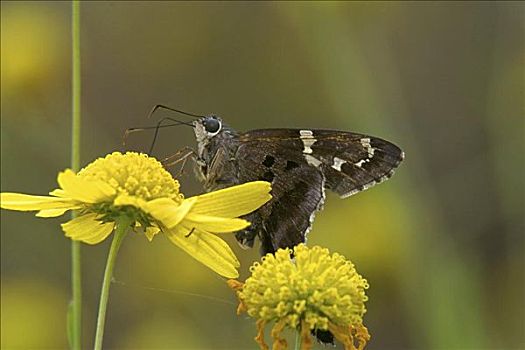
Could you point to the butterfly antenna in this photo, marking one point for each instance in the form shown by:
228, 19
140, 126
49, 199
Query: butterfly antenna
159, 124
177, 122
136, 129
173, 110
156, 127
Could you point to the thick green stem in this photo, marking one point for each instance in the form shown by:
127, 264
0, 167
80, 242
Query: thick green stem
75, 319
123, 225
297, 340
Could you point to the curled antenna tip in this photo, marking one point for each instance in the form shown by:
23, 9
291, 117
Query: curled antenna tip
126, 134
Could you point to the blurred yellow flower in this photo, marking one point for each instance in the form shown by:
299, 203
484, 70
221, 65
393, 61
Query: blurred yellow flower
306, 289
138, 187
30, 30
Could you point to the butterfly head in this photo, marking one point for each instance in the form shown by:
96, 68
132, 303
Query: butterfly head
207, 127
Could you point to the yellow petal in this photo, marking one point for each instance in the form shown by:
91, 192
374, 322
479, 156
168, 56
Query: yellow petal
87, 229
214, 224
84, 190
133, 201
234, 201
25, 202
51, 213
150, 232
168, 212
58, 193
206, 248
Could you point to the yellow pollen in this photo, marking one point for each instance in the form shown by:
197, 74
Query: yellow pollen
315, 288
134, 174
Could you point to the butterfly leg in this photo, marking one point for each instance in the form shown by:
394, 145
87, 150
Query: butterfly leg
181, 156
246, 237
266, 245
221, 171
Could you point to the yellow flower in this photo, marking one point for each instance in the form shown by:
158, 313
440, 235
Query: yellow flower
138, 187
310, 291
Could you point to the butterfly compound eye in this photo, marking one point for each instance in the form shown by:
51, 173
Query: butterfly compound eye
212, 125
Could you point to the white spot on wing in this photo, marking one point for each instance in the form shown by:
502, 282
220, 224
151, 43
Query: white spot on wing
307, 136
311, 160
361, 162
365, 142
338, 162
306, 133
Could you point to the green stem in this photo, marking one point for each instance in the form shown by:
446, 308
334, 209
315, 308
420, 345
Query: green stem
75, 325
76, 88
123, 224
297, 340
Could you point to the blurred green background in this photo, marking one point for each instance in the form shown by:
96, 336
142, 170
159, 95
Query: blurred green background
441, 243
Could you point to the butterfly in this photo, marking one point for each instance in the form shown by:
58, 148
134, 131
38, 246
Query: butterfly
301, 165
